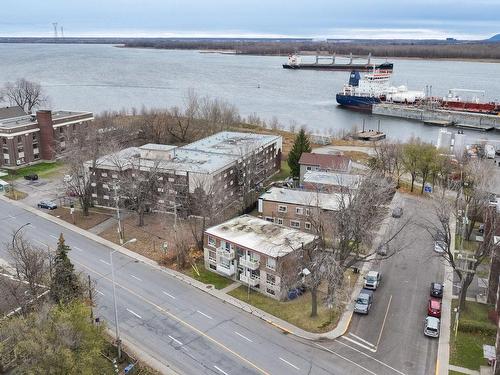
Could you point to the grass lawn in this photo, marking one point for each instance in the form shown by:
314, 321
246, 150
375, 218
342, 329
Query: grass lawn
208, 277
468, 245
284, 173
96, 216
466, 350
41, 169
15, 194
296, 312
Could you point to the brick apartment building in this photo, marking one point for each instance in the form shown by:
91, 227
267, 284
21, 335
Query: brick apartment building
323, 163
219, 165
297, 208
255, 252
27, 139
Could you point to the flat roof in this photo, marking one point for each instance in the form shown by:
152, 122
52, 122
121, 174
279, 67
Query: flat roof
325, 201
332, 178
182, 160
9, 112
260, 235
232, 143
19, 121
157, 147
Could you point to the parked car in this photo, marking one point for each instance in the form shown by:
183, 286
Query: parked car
439, 246
48, 205
397, 212
363, 302
31, 177
372, 280
434, 308
431, 326
437, 290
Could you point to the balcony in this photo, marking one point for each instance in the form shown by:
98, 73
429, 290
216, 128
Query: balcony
223, 253
252, 280
228, 271
249, 263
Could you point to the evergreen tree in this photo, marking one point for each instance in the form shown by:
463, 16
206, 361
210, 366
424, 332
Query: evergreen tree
65, 285
300, 145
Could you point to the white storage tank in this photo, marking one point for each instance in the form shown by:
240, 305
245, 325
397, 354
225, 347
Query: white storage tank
444, 140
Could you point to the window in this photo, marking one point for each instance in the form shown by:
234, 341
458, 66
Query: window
213, 267
231, 171
269, 219
282, 208
279, 220
105, 186
161, 201
94, 195
211, 241
307, 226
232, 182
160, 190
104, 174
105, 197
299, 210
36, 156
225, 175
92, 184
270, 291
295, 224
171, 179
114, 175
271, 264
308, 168
308, 211
212, 256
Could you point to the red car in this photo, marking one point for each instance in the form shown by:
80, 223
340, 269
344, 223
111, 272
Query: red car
434, 308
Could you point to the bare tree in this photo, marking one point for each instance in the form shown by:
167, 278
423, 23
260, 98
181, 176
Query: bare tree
32, 265
440, 228
26, 94
183, 128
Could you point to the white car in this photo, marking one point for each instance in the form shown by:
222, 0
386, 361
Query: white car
439, 246
372, 280
431, 326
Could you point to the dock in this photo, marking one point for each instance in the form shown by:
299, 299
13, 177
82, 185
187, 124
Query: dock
370, 135
439, 117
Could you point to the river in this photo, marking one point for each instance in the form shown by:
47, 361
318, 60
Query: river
103, 77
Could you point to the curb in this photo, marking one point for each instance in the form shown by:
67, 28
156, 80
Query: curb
338, 331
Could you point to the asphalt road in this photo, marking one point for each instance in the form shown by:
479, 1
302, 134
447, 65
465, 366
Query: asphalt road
196, 333
393, 330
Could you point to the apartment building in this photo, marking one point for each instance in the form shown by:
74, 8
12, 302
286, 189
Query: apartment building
297, 208
323, 163
330, 182
255, 252
32, 138
220, 165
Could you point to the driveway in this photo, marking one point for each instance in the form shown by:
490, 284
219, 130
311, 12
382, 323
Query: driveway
41, 189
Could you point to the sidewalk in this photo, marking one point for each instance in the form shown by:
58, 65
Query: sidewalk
341, 328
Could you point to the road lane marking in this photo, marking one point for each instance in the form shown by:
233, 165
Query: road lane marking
359, 344
41, 243
133, 313
246, 338
174, 339
173, 316
345, 359
221, 371
361, 339
98, 291
77, 248
168, 294
103, 261
135, 277
369, 356
205, 315
383, 323
290, 364
51, 235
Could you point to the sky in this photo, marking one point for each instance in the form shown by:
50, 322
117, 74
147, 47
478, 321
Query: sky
393, 19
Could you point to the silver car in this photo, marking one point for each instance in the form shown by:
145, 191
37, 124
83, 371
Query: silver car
363, 302
431, 326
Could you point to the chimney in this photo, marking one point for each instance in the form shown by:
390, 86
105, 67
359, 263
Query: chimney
47, 143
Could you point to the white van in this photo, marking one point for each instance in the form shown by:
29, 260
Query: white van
489, 151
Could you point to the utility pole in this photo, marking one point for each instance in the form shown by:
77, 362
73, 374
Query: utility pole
54, 24
118, 217
91, 301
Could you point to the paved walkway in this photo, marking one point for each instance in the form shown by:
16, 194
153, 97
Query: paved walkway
463, 370
231, 287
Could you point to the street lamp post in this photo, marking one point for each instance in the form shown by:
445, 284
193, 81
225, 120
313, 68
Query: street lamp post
117, 329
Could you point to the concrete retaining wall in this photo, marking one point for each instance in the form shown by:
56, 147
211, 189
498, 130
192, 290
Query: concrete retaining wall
425, 114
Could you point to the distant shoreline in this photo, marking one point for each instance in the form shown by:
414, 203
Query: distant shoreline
308, 53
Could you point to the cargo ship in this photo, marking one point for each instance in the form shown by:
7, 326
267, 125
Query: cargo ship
294, 62
373, 88
454, 102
